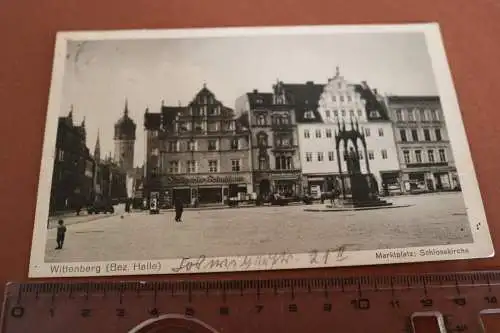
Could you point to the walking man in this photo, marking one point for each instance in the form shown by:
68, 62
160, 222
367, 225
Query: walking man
179, 208
61, 233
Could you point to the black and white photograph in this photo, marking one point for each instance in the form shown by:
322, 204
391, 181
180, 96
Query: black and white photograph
238, 149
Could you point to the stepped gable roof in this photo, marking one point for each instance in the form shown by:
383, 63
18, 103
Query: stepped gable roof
305, 97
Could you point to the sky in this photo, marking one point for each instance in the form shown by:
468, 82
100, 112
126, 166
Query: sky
101, 75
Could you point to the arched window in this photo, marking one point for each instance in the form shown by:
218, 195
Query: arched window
261, 120
262, 139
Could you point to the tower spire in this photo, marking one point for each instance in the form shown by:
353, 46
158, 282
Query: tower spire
70, 114
337, 71
125, 111
97, 150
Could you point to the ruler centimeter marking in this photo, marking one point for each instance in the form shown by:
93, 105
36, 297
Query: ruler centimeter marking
338, 304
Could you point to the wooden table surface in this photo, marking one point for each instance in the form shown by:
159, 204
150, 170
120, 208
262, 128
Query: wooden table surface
471, 31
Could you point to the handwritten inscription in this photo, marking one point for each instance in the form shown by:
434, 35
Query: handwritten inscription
268, 261
323, 258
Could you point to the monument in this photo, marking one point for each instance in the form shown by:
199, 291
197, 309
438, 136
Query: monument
363, 186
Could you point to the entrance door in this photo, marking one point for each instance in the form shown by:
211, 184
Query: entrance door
264, 187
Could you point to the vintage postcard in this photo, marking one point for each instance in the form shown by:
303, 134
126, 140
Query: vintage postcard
237, 149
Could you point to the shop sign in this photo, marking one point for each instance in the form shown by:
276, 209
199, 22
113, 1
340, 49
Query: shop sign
198, 180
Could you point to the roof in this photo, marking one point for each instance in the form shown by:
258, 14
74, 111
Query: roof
260, 99
413, 98
373, 102
305, 97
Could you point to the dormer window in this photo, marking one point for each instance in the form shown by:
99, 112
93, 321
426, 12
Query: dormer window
374, 114
309, 114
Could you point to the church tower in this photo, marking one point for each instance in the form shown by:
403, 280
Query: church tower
97, 150
124, 141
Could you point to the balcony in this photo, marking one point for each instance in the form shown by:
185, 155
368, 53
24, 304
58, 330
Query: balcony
282, 127
284, 147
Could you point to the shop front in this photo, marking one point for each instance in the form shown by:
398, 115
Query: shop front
429, 180
207, 188
286, 184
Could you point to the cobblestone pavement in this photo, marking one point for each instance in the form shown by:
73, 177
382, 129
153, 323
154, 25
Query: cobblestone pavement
437, 219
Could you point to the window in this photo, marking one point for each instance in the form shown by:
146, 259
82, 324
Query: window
438, 134
60, 156
263, 163
235, 144
174, 167
430, 156
212, 165
414, 135
335, 113
442, 155
309, 157
318, 133
367, 132
328, 114
427, 115
191, 166
418, 156
328, 132
172, 146
261, 120
349, 98
342, 113
191, 145
213, 126
406, 156
384, 154
262, 139
371, 155
307, 135
351, 113
360, 113
320, 156
309, 115
341, 97
411, 115
374, 114
380, 132
154, 152
212, 145
235, 165
422, 115
435, 115
402, 134
399, 115
331, 155
283, 142
283, 162
427, 135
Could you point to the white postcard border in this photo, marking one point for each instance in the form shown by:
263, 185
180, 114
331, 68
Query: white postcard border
338, 255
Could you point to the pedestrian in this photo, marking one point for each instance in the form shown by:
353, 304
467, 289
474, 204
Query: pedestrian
179, 208
61, 232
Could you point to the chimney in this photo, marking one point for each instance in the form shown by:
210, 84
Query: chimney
255, 91
375, 91
310, 83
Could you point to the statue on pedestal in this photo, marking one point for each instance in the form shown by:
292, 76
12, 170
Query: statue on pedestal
353, 166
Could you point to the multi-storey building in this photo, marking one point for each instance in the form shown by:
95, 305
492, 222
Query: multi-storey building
274, 146
72, 178
199, 151
424, 150
339, 102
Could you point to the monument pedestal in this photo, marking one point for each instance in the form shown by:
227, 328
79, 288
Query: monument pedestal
364, 192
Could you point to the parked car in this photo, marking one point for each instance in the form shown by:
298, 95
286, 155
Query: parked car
101, 207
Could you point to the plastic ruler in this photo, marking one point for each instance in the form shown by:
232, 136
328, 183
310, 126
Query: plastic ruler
458, 302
